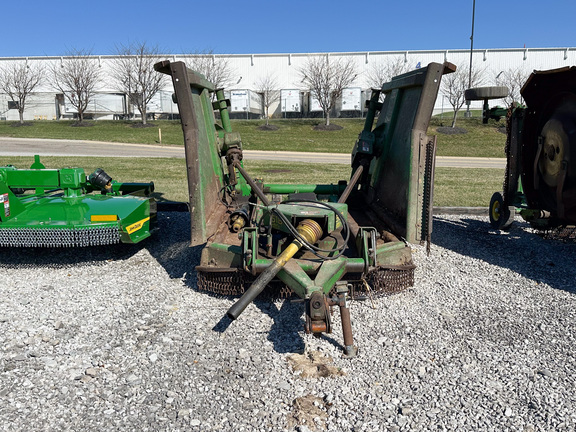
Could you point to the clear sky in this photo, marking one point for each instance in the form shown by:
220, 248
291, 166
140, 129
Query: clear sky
40, 28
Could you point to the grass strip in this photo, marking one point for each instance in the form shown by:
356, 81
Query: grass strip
458, 187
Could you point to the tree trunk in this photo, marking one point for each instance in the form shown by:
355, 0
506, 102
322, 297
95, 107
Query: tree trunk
327, 118
267, 116
454, 119
21, 114
143, 114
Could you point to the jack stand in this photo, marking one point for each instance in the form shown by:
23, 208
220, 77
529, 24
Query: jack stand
350, 350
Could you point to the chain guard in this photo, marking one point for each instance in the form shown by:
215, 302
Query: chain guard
59, 237
382, 281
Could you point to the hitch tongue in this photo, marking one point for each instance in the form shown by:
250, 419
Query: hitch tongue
310, 231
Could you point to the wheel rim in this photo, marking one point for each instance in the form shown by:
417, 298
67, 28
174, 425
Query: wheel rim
495, 211
554, 151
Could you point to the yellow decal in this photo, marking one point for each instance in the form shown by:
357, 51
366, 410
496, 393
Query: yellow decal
103, 218
136, 226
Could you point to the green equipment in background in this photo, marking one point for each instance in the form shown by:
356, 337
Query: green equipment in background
42, 207
540, 178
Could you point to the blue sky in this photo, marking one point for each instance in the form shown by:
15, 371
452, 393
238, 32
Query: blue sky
259, 26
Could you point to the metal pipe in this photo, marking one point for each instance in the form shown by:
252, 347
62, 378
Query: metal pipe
223, 108
352, 184
349, 349
353, 265
311, 232
252, 184
325, 189
468, 114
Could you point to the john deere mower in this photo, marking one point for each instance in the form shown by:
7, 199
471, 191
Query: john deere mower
325, 243
65, 208
540, 179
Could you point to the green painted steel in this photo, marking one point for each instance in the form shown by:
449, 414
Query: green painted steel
40, 205
206, 143
331, 189
398, 154
303, 285
246, 224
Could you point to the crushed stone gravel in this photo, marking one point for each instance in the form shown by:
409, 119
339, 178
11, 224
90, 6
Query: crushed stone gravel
118, 338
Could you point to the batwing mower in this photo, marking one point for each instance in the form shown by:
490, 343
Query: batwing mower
325, 243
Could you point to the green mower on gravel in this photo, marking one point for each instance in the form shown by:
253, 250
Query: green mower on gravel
43, 207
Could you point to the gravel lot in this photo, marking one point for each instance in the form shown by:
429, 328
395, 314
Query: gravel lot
119, 339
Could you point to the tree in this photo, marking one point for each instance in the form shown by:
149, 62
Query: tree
267, 86
18, 81
380, 72
455, 84
325, 77
77, 77
514, 79
133, 73
215, 69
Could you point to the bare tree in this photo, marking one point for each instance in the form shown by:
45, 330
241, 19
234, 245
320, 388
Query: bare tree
455, 84
326, 77
19, 80
514, 79
215, 69
382, 71
77, 77
267, 86
133, 73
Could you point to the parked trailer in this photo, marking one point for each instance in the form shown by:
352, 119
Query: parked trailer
104, 106
39, 106
313, 104
290, 102
245, 104
351, 102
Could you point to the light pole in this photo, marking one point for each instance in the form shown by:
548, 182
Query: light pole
468, 114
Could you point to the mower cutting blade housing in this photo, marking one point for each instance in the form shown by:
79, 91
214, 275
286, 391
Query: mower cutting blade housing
324, 243
63, 208
540, 179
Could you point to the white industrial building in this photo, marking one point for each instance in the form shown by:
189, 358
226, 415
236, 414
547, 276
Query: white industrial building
247, 69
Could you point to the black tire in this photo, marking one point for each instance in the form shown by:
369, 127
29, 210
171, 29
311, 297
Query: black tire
501, 215
481, 93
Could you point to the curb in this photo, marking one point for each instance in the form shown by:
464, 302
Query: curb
478, 211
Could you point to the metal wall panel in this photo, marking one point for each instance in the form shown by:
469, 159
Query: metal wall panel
248, 69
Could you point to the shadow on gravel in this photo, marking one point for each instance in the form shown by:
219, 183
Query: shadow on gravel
288, 323
520, 249
54, 258
285, 330
170, 248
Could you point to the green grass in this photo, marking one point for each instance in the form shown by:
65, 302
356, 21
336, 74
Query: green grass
470, 187
453, 186
479, 141
292, 134
299, 135
102, 130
